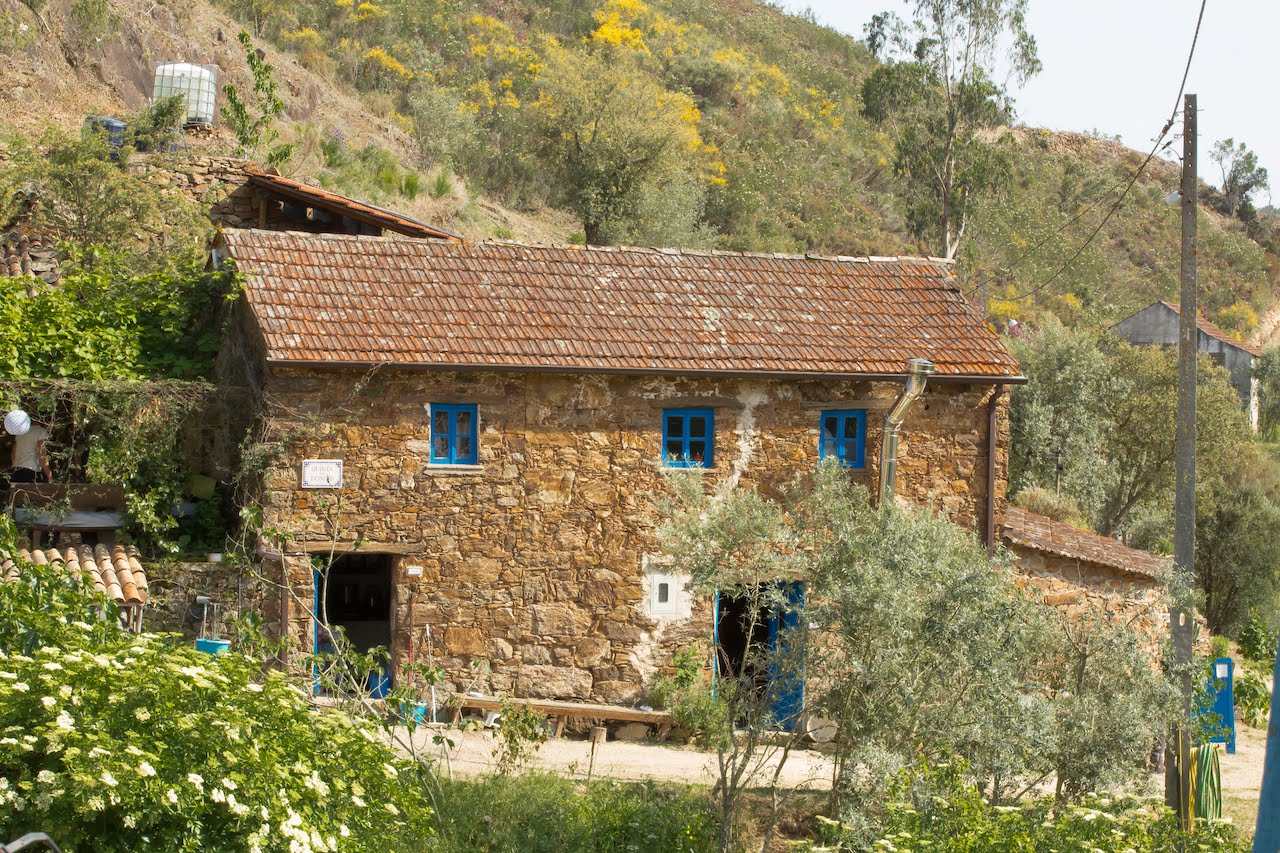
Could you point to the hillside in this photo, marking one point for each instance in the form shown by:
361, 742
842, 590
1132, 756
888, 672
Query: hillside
774, 154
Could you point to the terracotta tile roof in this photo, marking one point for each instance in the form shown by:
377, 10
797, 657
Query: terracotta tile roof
1214, 331
323, 299
115, 570
29, 254
1055, 537
362, 211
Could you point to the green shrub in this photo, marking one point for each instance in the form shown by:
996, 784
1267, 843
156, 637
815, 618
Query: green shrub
933, 808
521, 732
1258, 641
541, 813
1253, 699
120, 743
687, 694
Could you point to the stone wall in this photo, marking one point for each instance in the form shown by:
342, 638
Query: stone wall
538, 559
218, 184
1077, 588
174, 585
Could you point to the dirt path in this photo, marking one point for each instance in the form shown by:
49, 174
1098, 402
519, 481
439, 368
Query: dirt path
472, 755
1242, 777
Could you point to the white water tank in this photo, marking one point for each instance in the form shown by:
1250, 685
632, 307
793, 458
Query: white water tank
199, 83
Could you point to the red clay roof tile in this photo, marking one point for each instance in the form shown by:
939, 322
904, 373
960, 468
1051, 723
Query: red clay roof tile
515, 306
1040, 533
115, 570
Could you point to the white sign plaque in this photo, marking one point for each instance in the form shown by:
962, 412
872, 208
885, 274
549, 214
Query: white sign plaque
322, 473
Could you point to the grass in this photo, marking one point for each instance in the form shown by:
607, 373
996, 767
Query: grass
1243, 812
542, 813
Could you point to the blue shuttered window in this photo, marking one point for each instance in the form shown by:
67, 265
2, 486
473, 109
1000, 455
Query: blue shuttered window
688, 438
453, 433
843, 435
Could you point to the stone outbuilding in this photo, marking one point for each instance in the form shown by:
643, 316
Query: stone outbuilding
1078, 572
1157, 324
473, 436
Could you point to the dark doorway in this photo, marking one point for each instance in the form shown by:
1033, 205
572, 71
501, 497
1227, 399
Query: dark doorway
357, 598
747, 636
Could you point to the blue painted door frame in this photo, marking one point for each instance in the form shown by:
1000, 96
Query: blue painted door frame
788, 690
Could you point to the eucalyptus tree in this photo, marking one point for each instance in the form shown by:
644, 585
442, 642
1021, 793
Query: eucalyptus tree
943, 107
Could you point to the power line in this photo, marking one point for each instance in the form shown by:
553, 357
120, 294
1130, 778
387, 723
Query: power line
1173, 117
899, 335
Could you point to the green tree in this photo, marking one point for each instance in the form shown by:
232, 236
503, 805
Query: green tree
1241, 173
941, 106
1237, 568
70, 188
1055, 437
256, 134
1138, 409
608, 133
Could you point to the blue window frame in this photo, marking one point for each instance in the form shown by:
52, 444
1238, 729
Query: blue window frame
843, 435
453, 433
688, 438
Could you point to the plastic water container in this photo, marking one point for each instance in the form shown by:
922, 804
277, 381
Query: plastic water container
198, 83
114, 128
213, 647
379, 684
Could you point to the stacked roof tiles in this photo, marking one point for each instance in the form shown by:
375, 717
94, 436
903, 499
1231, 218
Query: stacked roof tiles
336, 299
29, 254
115, 570
1040, 533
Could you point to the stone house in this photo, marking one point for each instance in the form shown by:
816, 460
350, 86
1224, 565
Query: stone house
1157, 325
474, 434
1078, 572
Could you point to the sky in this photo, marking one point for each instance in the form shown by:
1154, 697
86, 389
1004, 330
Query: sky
1115, 66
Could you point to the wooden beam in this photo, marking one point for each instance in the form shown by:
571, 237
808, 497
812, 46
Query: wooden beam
556, 708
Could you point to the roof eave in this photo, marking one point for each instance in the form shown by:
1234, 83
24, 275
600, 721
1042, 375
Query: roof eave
943, 378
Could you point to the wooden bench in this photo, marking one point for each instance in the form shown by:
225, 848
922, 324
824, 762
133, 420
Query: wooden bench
561, 711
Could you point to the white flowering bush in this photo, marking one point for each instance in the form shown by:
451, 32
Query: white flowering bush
112, 742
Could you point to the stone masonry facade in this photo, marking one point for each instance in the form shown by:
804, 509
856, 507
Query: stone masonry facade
1078, 588
531, 570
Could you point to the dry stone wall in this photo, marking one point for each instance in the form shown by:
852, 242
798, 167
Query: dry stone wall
1077, 588
530, 572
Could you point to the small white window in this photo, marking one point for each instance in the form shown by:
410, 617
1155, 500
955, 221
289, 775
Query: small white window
664, 594
664, 588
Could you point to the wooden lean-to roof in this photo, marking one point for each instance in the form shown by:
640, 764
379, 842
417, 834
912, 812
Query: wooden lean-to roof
335, 300
340, 205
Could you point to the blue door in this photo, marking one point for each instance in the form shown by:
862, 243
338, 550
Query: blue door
786, 690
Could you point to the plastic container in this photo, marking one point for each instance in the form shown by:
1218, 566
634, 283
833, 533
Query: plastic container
213, 647
199, 83
114, 129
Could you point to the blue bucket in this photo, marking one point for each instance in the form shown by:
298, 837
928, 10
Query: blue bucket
213, 647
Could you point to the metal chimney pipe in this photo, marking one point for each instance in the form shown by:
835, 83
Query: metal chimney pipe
918, 373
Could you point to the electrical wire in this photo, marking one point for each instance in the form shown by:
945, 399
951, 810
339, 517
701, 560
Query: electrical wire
900, 334
1173, 117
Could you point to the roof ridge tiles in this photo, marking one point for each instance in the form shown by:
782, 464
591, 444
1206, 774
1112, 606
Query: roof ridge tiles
670, 251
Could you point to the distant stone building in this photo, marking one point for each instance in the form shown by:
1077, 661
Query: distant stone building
1157, 324
503, 415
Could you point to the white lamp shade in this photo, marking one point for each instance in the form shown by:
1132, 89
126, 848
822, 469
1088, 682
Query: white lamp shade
17, 422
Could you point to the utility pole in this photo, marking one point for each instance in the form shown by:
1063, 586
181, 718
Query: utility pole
1177, 786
